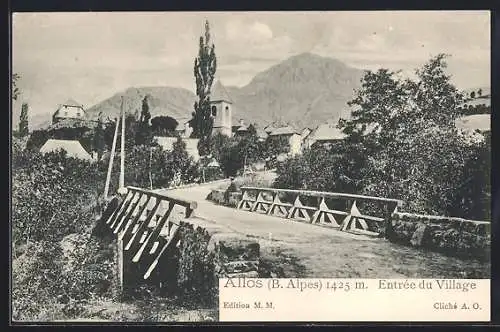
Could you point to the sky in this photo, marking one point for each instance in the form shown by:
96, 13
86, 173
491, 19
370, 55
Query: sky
91, 56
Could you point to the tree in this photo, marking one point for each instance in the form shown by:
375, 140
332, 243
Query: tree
480, 92
274, 146
131, 131
250, 149
205, 66
406, 127
163, 126
217, 143
143, 134
23, 121
183, 166
252, 130
473, 95
98, 139
15, 89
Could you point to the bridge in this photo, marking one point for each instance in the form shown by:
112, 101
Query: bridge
308, 233
147, 224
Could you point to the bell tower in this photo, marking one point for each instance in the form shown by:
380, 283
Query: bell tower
221, 110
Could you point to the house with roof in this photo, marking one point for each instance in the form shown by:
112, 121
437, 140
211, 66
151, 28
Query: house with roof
241, 129
221, 110
69, 110
292, 135
184, 128
261, 134
167, 144
73, 148
323, 134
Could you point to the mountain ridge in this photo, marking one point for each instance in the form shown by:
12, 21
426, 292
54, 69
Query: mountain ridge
304, 90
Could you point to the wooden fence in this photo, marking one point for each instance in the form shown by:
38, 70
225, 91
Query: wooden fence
146, 225
338, 210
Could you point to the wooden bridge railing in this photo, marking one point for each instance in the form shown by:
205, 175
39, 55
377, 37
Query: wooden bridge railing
146, 224
336, 210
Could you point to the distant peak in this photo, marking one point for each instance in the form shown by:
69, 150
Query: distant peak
313, 58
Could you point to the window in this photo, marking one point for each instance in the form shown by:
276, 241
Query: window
214, 111
227, 108
78, 114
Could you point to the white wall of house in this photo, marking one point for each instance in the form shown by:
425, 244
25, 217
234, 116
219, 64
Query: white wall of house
295, 142
70, 112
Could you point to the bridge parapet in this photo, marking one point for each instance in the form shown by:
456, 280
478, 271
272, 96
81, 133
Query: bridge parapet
337, 210
161, 242
146, 225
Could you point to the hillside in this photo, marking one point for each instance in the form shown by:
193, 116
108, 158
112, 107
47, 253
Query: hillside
175, 102
304, 90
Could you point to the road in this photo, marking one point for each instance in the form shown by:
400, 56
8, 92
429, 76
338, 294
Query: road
307, 250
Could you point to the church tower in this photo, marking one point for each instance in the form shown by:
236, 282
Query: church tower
221, 110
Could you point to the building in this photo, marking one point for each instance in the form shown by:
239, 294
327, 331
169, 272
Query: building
73, 148
221, 110
324, 133
305, 134
167, 144
69, 110
241, 129
261, 134
293, 136
184, 128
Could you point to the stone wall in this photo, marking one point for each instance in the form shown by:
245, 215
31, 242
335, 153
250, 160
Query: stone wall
220, 196
453, 236
208, 252
191, 269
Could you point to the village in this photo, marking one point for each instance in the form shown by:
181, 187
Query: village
71, 114
136, 205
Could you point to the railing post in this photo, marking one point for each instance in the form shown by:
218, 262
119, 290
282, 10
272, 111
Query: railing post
243, 198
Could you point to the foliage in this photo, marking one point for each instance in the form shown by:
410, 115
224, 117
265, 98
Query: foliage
45, 190
15, 89
476, 109
98, 142
273, 147
143, 133
23, 121
402, 143
472, 197
163, 126
205, 66
58, 267
230, 159
182, 164
233, 153
82, 134
336, 168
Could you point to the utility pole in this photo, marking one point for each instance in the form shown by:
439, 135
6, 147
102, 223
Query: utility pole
111, 159
121, 188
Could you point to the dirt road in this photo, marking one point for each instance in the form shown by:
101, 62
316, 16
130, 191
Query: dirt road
315, 251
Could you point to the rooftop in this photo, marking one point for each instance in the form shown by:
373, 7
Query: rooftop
73, 148
287, 130
219, 93
327, 132
72, 102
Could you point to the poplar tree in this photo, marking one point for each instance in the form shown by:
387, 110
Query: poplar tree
23, 121
205, 65
144, 130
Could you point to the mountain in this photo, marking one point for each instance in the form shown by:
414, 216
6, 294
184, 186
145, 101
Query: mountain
303, 90
174, 102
